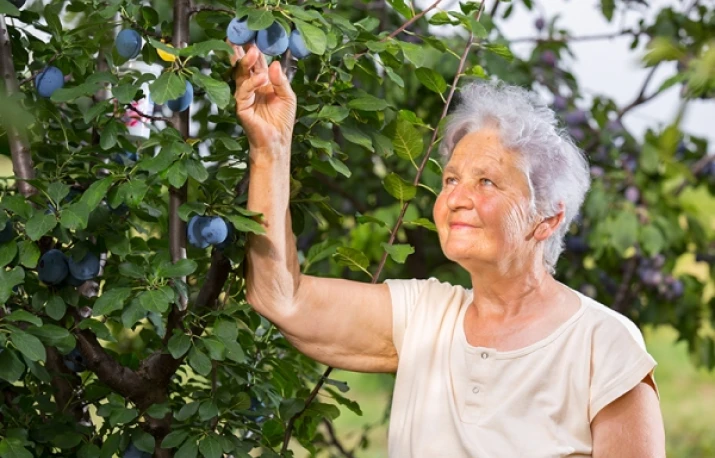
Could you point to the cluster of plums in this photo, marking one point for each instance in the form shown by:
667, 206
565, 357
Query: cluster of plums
55, 268
74, 361
649, 271
272, 41
203, 231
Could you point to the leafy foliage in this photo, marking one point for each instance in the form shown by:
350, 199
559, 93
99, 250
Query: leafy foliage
166, 354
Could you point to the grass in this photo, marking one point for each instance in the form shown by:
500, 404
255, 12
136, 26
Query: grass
687, 402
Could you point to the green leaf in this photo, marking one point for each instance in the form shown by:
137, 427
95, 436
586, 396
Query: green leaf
181, 268
167, 87
174, 439
28, 345
315, 39
179, 344
259, 19
199, 361
111, 300
196, 170
154, 301
67, 94
57, 191
96, 192
11, 368
422, 222
217, 91
652, 240
109, 134
127, 269
414, 53
187, 411
39, 225
8, 8
203, 48
177, 174
431, 80
398, 252
225, 330
122, 415
624, 231
188, 450
189, 208
97, 109
75, 216
158, 411
608, 7
342, 386
134, 192
500, 50
354, 134
55, 308
210, 447
368, 103
208, 410
124, 93
8, 250
441, 18
29, 254
215, 347
143, 441
399, 188
12, 447
234, 352
8, 280
23, 315
407, 142
401, 7
243, 224
352, 259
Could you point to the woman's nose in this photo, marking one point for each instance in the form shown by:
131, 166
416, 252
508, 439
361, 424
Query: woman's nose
459, 198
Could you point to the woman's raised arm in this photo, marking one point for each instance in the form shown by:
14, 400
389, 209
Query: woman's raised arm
342, 323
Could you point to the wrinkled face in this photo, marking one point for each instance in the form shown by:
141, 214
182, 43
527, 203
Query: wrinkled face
482, 213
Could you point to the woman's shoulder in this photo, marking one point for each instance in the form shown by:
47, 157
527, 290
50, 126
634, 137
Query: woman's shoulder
605, 322
427, 287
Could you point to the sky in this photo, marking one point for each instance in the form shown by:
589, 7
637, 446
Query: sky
609, 66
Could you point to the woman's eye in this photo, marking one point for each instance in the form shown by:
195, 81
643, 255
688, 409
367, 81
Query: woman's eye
450, 180
487, 181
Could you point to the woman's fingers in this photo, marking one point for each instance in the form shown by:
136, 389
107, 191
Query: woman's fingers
246, 93
280, 82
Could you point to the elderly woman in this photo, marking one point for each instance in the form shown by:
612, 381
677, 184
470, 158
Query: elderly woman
520, 365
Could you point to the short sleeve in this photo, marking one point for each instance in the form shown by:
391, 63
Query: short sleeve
404, 294
619, 361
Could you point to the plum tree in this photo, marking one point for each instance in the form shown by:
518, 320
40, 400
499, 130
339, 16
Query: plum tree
273, 40
238, 32
128, 43
297, 46
172, 357
48, 81
182, 102
52, 268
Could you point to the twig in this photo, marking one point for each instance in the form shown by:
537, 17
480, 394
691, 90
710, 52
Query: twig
33, 75
641, 98
198, 9
129, 106
318, 386
494, 9
623, 293
335, 441
596, 36
399, 30
416, 181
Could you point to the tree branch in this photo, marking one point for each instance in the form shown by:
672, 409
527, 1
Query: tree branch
129, 106
19, 145
198, 9
641, 98
400, 29
335, 441
593, 37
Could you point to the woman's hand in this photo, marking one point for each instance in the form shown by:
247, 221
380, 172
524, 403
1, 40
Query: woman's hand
265, 102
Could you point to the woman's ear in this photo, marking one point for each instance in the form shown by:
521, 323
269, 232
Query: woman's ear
550, 224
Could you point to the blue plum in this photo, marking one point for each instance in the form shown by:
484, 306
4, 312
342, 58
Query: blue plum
548, 58
576, 117
182, 102
7, 233
18, 3
74, 361
126, 156
238, 32
560, 102
296, 43
272, 41
540, 23
52, 267
48, 81
86, 269
193, 231
128, 43
631, 193
215, 230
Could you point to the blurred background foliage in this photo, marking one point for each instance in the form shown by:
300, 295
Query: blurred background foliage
369, 103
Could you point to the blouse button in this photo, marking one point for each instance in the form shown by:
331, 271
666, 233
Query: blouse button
485, 355
475, 390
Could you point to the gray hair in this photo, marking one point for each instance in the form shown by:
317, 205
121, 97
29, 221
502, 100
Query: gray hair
556, 170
